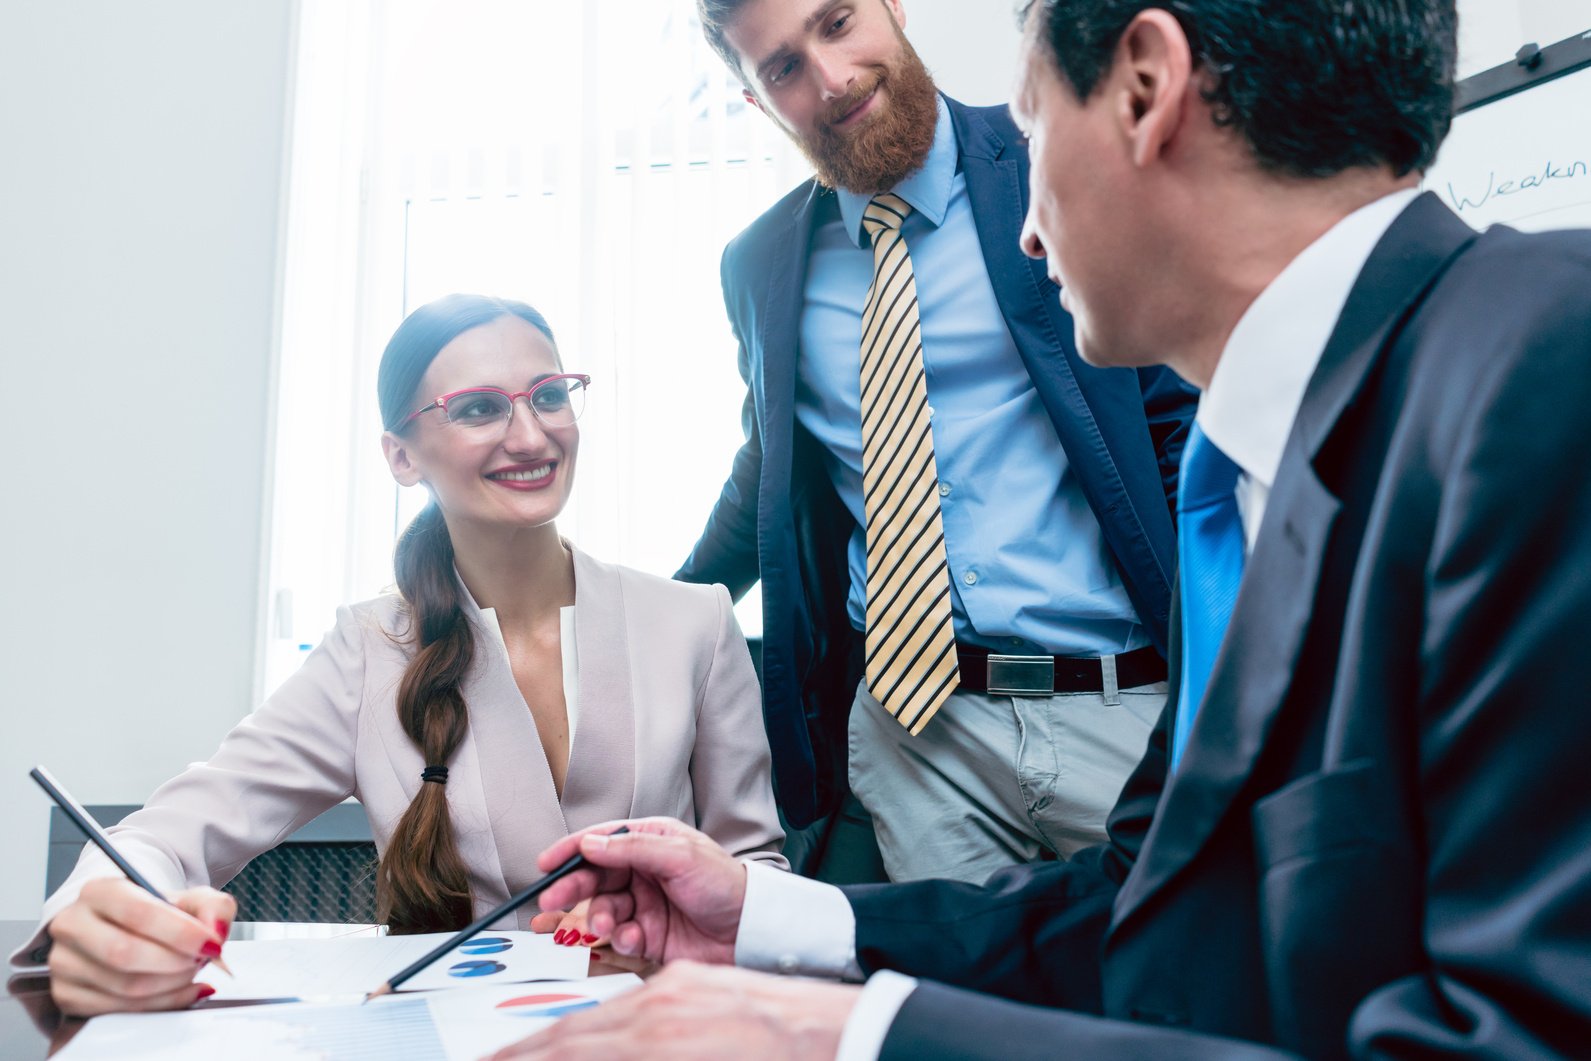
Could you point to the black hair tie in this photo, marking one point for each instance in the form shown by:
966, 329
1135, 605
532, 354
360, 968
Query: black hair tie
434, 773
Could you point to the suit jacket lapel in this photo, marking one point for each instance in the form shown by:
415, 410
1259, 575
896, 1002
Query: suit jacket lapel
524, 814
1249, 685
779, 326
600, 784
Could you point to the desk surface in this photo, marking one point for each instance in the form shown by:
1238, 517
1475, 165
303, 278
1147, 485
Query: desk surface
32, 1028
30, 1025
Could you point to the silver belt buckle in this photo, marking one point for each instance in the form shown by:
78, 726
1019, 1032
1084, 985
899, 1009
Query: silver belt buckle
1021, 675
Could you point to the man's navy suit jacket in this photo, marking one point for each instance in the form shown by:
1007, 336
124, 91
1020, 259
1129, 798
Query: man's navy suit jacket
780, 519
1378, 841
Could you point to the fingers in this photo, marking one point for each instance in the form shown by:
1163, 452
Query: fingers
606, 912
547, 921
119, 948
211, 908
560, 852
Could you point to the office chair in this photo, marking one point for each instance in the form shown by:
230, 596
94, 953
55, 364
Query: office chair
324, 872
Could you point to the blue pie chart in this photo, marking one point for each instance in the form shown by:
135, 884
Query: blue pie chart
486, 945
477, 968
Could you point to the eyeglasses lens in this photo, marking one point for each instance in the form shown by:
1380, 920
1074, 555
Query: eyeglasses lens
478, 409
556, 403
559, 402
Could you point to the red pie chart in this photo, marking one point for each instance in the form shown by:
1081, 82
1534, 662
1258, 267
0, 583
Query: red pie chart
544, 1005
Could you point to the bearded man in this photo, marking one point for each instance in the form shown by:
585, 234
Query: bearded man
963, 531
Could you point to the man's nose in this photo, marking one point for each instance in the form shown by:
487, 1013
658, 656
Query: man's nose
1032, 246
833, 75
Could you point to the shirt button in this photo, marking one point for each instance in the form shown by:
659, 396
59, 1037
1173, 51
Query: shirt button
944, 489
970, 578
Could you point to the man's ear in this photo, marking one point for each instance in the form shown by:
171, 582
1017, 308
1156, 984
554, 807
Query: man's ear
396, 450
898, 11
1151, 75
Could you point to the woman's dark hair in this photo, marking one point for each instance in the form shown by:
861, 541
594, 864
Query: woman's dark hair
1316, 87
421, 883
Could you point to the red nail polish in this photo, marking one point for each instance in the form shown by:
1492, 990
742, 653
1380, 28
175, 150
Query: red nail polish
205, 991
595, 956
211, 950
588, 938
222, 928
557, 937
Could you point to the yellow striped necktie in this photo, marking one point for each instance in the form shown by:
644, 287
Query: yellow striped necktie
911, 645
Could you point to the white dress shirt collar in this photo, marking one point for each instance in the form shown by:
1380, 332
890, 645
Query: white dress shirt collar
1259, 382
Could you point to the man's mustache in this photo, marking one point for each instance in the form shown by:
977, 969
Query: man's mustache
847, 103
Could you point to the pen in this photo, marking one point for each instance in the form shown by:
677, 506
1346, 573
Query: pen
515, 901
83, 821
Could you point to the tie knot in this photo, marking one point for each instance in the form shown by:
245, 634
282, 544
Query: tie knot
1208, 475
884, 213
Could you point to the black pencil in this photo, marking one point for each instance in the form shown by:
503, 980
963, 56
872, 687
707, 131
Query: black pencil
515, 901
83, 821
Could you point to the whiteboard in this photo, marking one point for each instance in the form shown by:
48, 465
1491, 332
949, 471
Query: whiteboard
1522, 160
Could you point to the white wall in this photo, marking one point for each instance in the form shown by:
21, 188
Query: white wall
139, 208
970, 46
1491, 31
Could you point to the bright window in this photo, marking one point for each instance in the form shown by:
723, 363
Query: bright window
591, 159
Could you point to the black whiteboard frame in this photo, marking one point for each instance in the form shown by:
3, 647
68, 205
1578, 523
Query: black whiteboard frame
1503, 81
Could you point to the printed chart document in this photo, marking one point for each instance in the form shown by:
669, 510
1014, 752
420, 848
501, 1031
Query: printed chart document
344, 969
459, 1025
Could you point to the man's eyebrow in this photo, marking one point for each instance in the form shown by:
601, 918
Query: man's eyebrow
807, 26
820, 14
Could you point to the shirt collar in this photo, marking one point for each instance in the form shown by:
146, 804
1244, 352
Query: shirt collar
1258, 384
927, 188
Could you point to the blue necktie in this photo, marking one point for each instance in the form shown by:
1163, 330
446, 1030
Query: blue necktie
1210, 555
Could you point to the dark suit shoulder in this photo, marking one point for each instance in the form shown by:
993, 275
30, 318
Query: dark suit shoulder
764, 235
1508, 292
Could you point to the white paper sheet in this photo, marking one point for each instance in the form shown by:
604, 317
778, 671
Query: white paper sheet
344, 969
457, 1025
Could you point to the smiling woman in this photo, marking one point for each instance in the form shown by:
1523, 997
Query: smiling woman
481, 713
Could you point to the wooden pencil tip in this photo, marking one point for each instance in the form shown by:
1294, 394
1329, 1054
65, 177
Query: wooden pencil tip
219, 964
384, 989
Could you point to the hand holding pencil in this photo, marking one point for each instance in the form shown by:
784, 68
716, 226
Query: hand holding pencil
124, 945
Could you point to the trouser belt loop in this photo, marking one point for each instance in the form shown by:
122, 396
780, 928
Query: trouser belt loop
1107, 673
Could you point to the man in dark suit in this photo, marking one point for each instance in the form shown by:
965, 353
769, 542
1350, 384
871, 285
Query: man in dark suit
1363, 829
1022, 502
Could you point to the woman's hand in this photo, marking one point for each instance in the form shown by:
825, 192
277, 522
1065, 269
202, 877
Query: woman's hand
567, 926
119, 949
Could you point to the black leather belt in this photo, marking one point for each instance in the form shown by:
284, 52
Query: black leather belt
983, 671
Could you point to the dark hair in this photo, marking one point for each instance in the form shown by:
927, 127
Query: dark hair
421, 883
715, 16
1315, 86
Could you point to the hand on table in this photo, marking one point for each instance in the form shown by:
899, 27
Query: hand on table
702, 1012
663, 891
569, 927
119, 949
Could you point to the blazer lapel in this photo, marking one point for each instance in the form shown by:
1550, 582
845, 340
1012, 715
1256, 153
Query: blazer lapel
524, 813
779, 329
600, 783
1253, 673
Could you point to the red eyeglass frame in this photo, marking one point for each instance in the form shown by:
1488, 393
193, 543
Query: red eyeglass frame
440, 402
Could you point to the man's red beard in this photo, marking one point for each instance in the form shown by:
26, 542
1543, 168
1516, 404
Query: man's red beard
885, 146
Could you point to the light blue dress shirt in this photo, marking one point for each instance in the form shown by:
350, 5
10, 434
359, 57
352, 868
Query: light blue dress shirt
1030, 571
